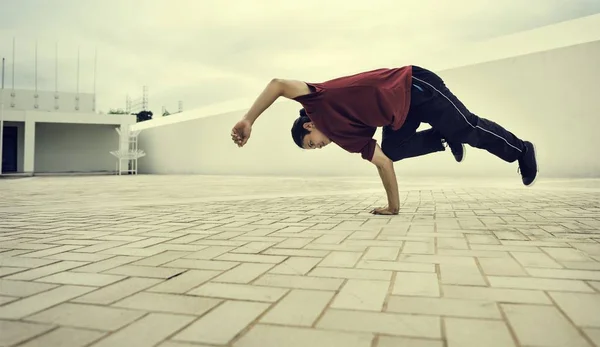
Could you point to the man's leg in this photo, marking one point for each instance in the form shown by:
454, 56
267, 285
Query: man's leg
407, 142
445, 113
398, 147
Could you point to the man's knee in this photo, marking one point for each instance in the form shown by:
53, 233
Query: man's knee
463, 129
394, 152
386, 149
464, 135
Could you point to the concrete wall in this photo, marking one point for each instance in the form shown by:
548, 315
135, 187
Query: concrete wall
204, 146
74, 147
548, 97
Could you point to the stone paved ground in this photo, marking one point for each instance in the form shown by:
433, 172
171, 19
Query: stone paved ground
176, 261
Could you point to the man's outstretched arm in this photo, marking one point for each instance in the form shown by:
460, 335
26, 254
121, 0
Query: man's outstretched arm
385, 166
277, 87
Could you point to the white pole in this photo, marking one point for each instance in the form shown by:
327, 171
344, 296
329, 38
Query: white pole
56, 76
36, 66
95, 69
56, 68
77, 97
13, 66
77, 71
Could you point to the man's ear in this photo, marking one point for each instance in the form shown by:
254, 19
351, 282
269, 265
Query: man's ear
309, 125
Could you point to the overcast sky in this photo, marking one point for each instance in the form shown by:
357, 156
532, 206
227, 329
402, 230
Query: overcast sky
210, 51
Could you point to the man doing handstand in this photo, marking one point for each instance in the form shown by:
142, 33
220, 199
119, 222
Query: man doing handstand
348, 110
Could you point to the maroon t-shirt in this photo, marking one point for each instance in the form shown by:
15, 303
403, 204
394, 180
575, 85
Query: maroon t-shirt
349, 109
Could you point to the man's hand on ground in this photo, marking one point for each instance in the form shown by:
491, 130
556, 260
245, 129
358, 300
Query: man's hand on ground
241, 132
386, 211
385, 167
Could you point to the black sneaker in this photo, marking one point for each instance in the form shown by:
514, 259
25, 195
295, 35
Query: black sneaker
528, 164
458, 150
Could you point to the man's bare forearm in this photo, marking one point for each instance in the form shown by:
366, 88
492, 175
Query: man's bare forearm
277, 87
388, 177
385, 167
272, 91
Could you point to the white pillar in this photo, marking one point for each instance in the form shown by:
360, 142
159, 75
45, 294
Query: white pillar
29, 150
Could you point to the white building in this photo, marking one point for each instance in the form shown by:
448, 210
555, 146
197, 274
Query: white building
57, 132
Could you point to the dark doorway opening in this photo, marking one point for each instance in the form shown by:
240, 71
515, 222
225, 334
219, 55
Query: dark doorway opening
9, 149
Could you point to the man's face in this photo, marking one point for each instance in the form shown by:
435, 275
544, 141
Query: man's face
315, 138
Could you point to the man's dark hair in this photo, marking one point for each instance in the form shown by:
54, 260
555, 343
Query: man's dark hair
298, 130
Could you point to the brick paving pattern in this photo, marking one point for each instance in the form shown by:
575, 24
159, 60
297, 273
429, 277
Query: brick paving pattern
176, 261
